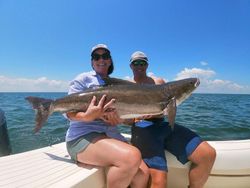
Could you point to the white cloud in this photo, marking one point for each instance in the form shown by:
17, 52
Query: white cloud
195, 72
41, 84
210, 84
223, 86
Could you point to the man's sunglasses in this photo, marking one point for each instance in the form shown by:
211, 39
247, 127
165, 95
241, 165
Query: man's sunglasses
104, 56
141, 63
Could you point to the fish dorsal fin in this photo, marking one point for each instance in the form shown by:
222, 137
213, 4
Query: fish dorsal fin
117, 81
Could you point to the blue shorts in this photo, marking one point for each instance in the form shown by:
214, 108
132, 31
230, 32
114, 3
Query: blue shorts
154, 139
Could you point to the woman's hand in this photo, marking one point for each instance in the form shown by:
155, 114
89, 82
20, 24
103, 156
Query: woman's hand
94, 110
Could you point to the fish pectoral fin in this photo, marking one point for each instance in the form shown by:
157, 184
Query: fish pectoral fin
170, 111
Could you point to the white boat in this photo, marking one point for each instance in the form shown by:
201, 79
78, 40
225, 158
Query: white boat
51, 167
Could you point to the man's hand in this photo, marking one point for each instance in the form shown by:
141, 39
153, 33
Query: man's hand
111, 117
143, 117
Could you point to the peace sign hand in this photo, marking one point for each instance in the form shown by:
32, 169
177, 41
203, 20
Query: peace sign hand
97, 111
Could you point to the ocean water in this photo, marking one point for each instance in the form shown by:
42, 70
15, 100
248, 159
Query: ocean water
212, 116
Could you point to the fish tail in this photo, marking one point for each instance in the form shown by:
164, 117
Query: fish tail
43, 110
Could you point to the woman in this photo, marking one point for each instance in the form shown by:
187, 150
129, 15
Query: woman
93, 138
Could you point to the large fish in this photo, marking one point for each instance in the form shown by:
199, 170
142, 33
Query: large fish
132, 100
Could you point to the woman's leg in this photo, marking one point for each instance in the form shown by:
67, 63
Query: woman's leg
122, 159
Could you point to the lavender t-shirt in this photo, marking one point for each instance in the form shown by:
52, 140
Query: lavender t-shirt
79, 128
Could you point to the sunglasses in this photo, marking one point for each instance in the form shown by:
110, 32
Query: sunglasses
104, 56
141, 63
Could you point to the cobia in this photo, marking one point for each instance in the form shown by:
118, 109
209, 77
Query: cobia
132, 100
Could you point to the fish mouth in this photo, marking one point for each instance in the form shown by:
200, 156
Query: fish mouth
197, 83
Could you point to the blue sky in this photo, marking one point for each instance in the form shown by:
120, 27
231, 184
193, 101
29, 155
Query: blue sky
45, 44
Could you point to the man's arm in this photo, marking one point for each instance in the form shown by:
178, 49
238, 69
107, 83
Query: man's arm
158, 81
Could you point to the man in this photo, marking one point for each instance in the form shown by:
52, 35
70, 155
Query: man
152, 136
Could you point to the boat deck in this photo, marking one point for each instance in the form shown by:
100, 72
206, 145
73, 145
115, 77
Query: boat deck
47, 167
52, 167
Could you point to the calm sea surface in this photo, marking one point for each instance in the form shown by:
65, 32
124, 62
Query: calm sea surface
212, 116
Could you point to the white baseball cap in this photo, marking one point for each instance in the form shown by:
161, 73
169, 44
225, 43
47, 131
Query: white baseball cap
100, 46
138, 55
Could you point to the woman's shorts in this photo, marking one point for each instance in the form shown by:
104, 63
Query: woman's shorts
80, 144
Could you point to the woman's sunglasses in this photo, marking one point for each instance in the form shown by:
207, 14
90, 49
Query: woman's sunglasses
141, 63
104, 56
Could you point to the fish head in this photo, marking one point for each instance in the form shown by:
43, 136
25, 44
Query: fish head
182, 89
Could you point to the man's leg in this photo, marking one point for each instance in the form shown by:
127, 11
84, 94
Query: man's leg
150, 141
158, 178
186, 145
202, 160
141, 178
